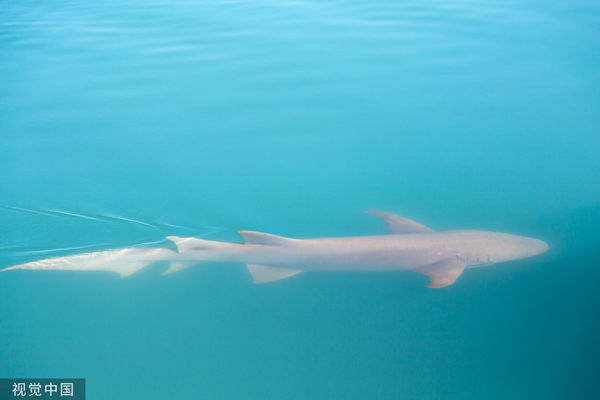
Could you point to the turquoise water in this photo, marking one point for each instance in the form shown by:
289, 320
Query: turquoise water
124, 122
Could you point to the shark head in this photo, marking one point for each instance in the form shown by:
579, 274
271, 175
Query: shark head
523, 247
487, 248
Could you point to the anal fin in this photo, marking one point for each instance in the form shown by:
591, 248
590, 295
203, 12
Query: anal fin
177, 266
442, 273
266, 273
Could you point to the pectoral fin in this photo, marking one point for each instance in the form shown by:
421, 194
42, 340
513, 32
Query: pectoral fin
443, 273
398, 225
265, 273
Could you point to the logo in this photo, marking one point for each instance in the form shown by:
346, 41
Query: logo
43, 389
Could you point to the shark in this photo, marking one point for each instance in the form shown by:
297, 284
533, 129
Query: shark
408, 245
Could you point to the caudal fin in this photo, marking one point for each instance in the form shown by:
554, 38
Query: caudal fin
125, 262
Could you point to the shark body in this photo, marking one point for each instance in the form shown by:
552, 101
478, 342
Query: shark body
408, 245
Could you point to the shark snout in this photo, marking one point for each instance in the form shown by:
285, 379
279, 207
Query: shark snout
536, 246
516, 247
544, 247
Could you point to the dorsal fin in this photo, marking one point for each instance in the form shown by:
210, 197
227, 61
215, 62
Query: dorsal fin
266, 273
251, 237
397, 224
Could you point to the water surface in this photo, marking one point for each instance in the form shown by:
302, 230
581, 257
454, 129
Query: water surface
122, 123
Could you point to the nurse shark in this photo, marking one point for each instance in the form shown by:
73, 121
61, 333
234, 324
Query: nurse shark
408, 245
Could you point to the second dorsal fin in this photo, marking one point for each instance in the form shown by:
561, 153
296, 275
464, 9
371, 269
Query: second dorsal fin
191, 243
251, 237
397, 224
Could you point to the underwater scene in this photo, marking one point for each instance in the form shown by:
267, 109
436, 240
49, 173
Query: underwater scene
301, 199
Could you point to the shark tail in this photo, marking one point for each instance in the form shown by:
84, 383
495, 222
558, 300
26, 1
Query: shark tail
131, 267
125, 262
